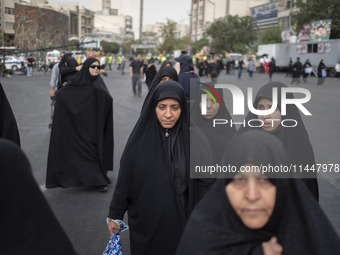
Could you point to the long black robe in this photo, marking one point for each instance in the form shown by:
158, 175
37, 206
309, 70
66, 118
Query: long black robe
150, 73
153, 184
297, 221
295, 139
81, 145
184, 78
298, 69
8, 124
67, 69
321, 67
220, 135
27, 223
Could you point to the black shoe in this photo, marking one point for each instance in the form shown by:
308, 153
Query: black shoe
102, 188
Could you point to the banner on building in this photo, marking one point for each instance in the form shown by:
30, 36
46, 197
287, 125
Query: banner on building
304, 33
320, 30
264, 11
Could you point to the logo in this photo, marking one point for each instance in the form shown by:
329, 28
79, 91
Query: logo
238, 99
204, 98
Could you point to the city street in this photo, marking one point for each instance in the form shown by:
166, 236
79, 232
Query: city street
82, 212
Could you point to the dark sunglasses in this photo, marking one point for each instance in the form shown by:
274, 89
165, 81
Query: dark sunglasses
95, 66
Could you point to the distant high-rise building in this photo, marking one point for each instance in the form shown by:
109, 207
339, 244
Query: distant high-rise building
126, 8
106, 5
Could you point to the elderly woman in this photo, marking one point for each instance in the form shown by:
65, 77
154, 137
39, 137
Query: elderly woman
81, 145
295, 139
251, 213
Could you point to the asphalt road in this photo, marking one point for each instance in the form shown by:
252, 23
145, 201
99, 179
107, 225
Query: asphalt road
82, 212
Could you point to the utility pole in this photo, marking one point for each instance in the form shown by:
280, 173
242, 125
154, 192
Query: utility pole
141, 21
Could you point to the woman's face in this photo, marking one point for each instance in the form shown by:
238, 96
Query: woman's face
165, 78
271, 121
168, 112
94, 69
252, 196
212, 108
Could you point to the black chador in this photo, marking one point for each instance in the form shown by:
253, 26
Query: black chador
8, 125
81, 145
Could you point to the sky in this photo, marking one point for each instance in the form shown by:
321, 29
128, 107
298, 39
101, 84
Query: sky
154, 10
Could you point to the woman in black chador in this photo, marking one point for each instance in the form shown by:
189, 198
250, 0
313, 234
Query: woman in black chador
68, 69
153, 184
254, 214
81, 145
8, 125
27, 223
150, 73
295, 139
322, 73
220, 135
164, 74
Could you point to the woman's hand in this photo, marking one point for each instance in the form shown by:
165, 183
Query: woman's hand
112, 226
272, 247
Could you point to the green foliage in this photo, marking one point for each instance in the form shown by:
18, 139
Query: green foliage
170, 40
312, 10
231, 31
182, 43
110, 47
241, 48
270, 35
197, 45
169, 37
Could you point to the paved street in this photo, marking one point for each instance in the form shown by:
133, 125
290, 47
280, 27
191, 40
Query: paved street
82, 212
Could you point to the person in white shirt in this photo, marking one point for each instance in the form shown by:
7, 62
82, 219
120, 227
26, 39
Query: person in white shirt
337, 69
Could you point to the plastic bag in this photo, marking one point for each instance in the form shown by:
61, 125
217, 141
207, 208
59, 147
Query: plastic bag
114, 246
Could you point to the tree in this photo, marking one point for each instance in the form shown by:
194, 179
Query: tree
312, 10
270, 35
198, 45
169, 37
231, 31
171, 41
110, 47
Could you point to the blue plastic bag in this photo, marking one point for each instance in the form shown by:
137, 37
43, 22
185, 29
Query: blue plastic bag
114, 247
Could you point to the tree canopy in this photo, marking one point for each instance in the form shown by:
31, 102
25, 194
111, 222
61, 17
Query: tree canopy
171, 41
270, 35
110, 47
198, 45
229, 33
312, 10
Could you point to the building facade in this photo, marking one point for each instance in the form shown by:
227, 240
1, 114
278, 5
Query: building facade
39, 27
7, 20
113, 28
131, 8
204, 12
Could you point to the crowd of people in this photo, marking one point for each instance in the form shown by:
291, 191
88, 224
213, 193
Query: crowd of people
168, 211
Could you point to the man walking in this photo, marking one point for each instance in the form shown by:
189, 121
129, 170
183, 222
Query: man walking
297, 69
136, 73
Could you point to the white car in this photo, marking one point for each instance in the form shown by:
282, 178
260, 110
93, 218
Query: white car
11, 63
